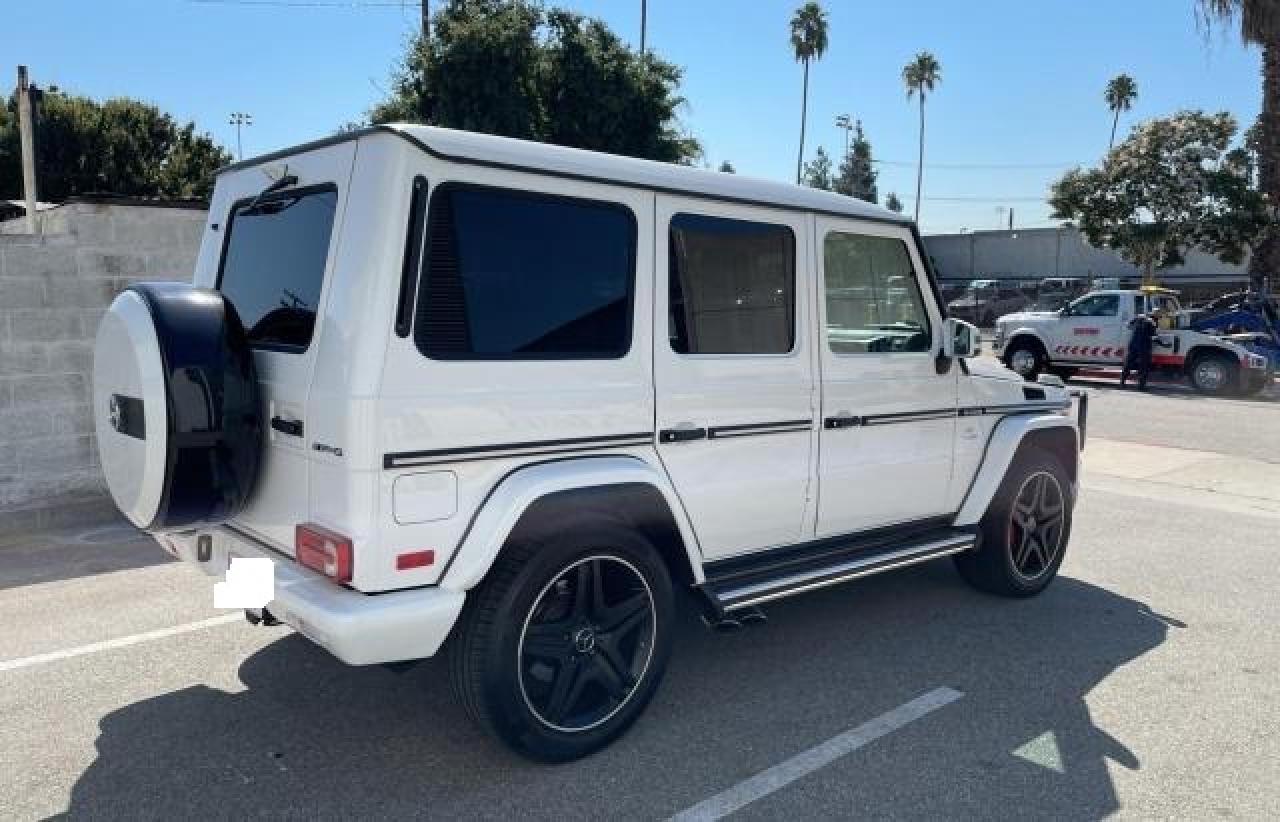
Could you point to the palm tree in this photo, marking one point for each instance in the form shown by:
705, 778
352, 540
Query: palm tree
920, 76
1259, 22
809, 40
1120, 94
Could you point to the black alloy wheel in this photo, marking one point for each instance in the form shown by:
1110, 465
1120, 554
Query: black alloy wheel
1036, 526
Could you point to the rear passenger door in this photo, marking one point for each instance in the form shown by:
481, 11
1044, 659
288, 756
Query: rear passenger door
733, 372
888, 415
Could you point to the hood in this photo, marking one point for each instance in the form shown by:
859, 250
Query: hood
1023, 316
991, 369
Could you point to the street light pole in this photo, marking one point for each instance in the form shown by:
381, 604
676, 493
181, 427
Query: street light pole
644, 20
240, 119
845, 122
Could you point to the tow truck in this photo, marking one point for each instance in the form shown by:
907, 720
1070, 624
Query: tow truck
1093, 332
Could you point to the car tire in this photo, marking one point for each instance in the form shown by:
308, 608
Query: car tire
546, 655
1023, 535
1214, 374
1026, 358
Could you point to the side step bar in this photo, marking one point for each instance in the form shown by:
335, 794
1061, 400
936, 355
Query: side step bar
741, 586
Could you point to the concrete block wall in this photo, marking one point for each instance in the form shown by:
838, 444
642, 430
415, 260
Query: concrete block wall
54, 288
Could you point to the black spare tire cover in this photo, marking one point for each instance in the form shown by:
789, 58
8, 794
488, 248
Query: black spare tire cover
176, 406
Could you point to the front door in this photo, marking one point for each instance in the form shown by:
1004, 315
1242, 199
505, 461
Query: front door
888, 415
1093, 329
733, 370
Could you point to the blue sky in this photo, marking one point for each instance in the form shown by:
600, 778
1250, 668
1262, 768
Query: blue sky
1020, 101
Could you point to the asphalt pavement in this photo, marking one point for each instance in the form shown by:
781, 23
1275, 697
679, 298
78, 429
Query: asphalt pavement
1142, 684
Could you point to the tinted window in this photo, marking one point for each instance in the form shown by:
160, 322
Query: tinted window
513, 275
273, 265
732, 286
873, 300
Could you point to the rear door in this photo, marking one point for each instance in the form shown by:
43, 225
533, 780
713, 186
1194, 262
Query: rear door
733, 371
277, 253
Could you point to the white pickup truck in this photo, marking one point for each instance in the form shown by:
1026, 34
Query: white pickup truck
1093, 332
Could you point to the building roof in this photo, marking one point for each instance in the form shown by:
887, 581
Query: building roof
488, 149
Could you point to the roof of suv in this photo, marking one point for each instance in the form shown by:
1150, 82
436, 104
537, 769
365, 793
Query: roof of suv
596, 166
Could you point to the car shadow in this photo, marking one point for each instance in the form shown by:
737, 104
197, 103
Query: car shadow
1171, 390
309, 737
78, 552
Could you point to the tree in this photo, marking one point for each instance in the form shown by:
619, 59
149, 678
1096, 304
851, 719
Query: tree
920, 76
1120, 94
817, 172
1259, 22
809, 42
727, 168
120, 146
1174, 184
520, 70
856, 177
893, 203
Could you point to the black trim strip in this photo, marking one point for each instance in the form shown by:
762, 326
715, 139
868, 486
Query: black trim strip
517, 449
841, 422
751, 429
908, 416
412, 256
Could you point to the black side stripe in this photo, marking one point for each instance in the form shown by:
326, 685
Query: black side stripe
515, 449
946, 413
753, 429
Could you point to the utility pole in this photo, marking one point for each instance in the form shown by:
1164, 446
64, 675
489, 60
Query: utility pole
426, 21
644, 21
27, 134
1011, 218
240, 119
845, 122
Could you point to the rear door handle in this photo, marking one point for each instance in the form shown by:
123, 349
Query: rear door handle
682, 434
291, 427
840, 421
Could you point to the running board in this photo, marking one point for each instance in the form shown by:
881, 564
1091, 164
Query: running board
745, 582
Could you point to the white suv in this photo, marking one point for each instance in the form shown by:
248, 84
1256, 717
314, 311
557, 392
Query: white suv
514, 396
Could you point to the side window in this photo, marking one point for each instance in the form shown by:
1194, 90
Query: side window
732, 286
1101, 305
273, 264
514, 275
873, 300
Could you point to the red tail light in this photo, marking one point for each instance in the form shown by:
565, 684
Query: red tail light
323, 550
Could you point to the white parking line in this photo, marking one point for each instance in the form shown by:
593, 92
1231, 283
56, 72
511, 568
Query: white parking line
819, 756
119, 642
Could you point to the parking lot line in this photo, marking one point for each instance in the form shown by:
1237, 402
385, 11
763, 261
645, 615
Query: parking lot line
118, 642
819, 756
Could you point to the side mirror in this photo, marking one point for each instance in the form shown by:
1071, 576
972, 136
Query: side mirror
962, 340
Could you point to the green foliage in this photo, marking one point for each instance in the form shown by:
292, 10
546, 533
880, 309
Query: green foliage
521, 70
119, 146
921, 75
727, 168
1120, 93
857, 177
1173, 185
817, 172
809, 32
893, 203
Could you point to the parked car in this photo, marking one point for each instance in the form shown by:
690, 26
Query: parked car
514, 396
1055, 292
1093, 332
984, 300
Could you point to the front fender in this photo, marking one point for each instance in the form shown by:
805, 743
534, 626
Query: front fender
1002, 445
513, 495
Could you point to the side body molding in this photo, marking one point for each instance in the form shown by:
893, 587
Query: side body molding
508, 501
998, 456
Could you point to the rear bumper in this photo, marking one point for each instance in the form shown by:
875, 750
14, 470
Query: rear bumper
359, 629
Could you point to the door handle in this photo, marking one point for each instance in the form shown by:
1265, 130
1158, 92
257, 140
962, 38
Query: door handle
291, 427
840, 421
682, 434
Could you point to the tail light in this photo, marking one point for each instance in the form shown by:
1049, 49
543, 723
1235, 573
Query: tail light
323, 550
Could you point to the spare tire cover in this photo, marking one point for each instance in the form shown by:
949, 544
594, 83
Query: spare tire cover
176, 406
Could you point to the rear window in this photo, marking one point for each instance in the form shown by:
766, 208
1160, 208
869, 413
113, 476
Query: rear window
513, 275
273, 264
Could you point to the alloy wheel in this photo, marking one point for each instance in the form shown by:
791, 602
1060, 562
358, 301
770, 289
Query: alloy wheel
1036, 525
1210, 374
586, 643
1023, 362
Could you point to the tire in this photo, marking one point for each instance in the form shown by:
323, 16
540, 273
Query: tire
176, 406
528, 626
1012, 559
1214, 374
1026, 358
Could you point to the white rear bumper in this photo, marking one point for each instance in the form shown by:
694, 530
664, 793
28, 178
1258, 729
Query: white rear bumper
359, 629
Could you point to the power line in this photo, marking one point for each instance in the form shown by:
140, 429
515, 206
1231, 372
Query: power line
975, 165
